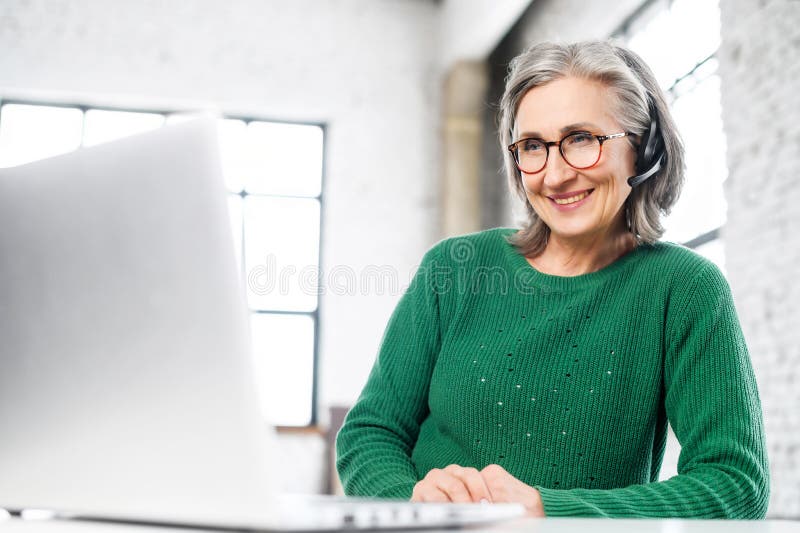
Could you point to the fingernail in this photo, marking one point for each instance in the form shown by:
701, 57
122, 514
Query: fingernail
484, 500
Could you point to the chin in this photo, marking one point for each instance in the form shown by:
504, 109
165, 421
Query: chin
565, 229
573, 231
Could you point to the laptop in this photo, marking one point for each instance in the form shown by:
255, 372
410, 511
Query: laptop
126, 385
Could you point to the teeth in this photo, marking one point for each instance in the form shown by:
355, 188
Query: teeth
570, 200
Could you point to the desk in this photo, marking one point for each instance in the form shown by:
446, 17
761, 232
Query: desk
533, 525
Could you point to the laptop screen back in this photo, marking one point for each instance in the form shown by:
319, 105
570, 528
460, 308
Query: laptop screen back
125, 385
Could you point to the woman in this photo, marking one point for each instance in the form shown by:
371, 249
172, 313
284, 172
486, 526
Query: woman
542, 366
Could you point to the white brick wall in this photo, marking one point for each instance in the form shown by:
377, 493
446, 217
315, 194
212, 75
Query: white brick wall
760, 69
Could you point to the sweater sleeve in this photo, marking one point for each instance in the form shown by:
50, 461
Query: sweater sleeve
712, 403
375, 443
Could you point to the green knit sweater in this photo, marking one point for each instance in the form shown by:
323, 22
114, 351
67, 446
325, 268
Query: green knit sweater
566, 382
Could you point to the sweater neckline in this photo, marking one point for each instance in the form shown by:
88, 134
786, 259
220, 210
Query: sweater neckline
530, 275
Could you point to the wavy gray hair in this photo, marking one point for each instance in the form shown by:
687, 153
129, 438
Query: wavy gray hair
634, 87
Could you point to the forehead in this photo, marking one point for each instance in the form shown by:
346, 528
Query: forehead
548, 108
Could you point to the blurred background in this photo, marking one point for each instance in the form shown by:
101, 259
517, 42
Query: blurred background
356, 133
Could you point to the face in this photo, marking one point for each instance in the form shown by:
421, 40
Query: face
576, 204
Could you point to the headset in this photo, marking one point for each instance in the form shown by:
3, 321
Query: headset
651, 155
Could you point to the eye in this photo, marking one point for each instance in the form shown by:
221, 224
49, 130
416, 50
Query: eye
580, 138
530, 146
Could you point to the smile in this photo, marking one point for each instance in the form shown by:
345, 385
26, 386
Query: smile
567, 200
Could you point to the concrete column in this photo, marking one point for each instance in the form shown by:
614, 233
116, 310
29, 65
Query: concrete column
464, 97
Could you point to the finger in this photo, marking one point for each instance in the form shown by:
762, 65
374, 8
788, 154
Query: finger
474, 482
497, 481
431, 494
416, 493
451, 485
504, 487
495, 472
426, 491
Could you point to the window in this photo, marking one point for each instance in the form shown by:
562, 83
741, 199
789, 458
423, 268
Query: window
273, 172
679, 40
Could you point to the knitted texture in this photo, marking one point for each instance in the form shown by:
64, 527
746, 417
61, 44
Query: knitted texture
566, 382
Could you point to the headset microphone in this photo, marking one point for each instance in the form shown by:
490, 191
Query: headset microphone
650, 156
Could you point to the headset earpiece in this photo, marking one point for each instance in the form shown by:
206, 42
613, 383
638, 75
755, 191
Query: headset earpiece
650, 155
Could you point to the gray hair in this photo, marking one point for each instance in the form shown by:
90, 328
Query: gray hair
634, 87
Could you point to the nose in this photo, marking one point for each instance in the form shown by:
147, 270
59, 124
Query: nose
557, 171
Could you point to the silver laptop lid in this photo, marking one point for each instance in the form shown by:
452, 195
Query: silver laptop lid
125, 385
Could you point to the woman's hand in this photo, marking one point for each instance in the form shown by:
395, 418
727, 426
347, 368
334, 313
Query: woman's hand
505, 488
454, 483
460, 484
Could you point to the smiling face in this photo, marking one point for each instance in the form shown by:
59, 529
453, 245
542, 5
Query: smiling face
576, 204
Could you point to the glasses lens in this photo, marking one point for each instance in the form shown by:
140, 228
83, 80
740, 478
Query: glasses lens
581, 150
531, 155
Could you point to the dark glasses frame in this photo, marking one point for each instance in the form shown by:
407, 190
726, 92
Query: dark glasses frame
514, 149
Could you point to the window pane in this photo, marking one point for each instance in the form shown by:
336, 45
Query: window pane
235, 211
31, 132
701, 206
233, 150
281, 253
283, 347
286, 159
692, 30
104, 126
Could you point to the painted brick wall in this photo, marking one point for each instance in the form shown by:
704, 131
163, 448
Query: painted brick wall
760, 69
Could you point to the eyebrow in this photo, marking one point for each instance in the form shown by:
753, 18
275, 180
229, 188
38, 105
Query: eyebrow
564, 130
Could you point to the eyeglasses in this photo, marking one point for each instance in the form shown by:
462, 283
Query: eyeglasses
580, 150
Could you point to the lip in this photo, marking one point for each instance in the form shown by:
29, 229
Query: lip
569, 207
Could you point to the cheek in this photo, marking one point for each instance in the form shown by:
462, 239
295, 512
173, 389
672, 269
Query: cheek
620, 168
618, 190
626, 161
531, 184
